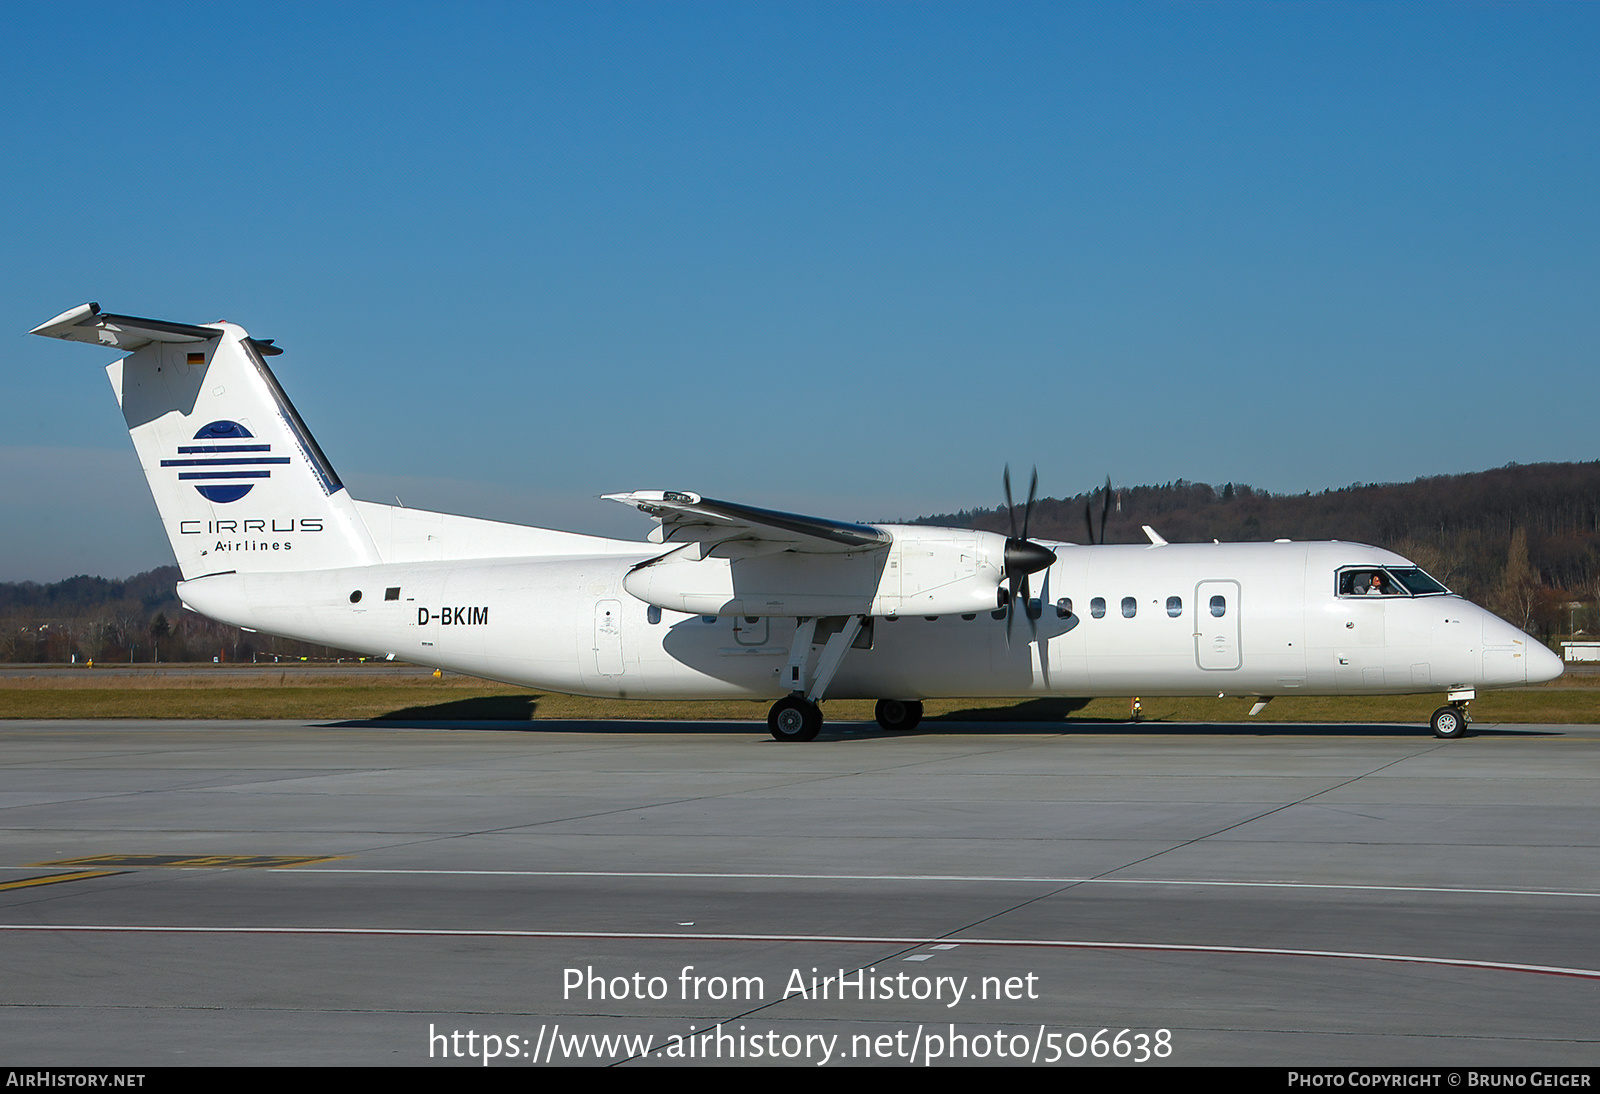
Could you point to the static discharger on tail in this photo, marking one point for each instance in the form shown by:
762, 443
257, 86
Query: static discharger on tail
732, 601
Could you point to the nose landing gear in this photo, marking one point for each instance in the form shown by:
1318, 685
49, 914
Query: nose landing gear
1450, 722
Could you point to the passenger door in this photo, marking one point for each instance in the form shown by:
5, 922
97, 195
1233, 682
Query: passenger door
1216, 628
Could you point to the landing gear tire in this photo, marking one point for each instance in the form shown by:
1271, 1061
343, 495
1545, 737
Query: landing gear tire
1449, 723
794, 719
898, 715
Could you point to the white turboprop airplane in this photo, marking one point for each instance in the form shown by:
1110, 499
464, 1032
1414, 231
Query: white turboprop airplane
730, 601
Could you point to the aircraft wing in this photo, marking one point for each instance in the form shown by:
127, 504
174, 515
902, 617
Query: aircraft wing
690, 518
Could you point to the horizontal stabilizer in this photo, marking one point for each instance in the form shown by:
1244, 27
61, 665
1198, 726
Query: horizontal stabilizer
87, 323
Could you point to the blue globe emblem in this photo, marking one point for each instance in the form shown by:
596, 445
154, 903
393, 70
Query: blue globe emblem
224, 464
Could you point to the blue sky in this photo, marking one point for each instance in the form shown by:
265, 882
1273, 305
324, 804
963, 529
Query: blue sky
841, 258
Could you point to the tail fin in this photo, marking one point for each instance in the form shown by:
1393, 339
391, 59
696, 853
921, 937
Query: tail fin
239, 480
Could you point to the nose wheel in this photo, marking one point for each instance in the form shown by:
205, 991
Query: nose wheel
794, 718
1449, 722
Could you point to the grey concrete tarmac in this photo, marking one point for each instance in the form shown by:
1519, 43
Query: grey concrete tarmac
1252, 894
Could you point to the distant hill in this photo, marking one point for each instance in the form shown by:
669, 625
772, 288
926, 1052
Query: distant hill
1524, 540
149, 592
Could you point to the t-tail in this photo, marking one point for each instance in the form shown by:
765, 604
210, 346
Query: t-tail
240, 482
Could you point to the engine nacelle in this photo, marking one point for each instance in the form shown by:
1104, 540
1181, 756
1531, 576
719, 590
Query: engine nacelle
924, 571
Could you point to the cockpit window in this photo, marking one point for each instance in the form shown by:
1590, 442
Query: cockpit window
1416, 582
1366, 583
1387, 581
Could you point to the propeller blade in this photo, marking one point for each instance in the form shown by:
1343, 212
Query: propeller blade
1028, 609
1011, 508
1027, 510
1022, 556
1105, 510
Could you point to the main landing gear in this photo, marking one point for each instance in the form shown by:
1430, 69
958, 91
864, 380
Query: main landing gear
799, 718
898, 715
798, 715
794, 718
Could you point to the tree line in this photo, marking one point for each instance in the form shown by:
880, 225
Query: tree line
133, 620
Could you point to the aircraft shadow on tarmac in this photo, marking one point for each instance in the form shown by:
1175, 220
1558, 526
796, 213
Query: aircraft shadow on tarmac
480, 708
1048, 716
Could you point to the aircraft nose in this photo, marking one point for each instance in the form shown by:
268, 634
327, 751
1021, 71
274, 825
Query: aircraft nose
1542, 663
1512, 658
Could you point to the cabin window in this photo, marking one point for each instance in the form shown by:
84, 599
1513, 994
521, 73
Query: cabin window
1174, 606
1064, 607
653, 614
1219, 606
708, 619
392, 593
355, 597
1130, 607
969, 616
1097, 607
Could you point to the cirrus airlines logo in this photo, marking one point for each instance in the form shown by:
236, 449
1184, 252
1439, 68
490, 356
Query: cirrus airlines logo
224, 464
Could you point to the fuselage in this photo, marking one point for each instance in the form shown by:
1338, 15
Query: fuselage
731, 600
1173, 619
